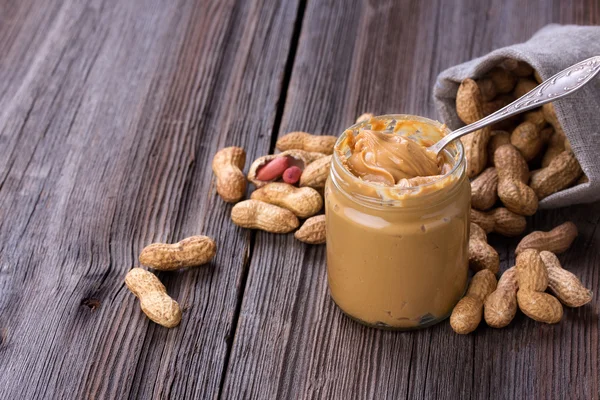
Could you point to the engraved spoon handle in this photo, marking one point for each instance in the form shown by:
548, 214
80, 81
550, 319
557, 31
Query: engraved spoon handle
562, 84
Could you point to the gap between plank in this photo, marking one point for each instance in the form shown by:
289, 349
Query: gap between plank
289, 66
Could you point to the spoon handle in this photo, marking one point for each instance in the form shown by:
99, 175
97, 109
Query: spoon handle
562, 84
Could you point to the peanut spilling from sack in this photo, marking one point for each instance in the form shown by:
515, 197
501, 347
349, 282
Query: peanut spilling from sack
538, 143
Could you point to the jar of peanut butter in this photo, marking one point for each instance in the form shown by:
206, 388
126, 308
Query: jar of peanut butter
397, 223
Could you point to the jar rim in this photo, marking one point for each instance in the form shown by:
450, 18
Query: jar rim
458, 158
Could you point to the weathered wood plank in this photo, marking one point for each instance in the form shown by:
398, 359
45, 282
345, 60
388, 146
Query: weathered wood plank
291, 340
110, 114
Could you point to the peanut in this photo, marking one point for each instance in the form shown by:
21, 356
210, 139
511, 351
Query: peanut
312, 231
481, 254
154, 300
499, 220
274, 169
467, 313
487, 89
546, 134
484, 189
500, 306
364, 117
298, 158
550, 116
303, 202
469, 107
565, 285
491, 107
562, 172
518, 68
292, 175
556, 145
503, 80
190, 252
526, 138
533, 280
227, 166
531, 271
498, 139
475, 145
513, 174
499, 102
537, 118
469, 102
523, 86
315, 174
558, 240
307, 142
256, 214
539, 306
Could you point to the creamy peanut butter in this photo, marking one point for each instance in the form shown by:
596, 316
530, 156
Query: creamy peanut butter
397, 223
387, 158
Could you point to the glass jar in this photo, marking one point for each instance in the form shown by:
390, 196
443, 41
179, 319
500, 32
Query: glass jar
397, 258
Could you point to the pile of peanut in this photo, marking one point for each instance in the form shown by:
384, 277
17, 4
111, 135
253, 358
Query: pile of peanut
289, 186
513, 165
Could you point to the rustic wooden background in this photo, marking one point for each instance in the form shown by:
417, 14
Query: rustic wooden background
110, 112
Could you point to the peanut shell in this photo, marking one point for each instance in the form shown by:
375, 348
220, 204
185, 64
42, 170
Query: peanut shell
500, 306
540, 306
256, 214
565, 285
228, 166
303, 202
190, 252
154, 300
313, 230
484, 189
307, 142
315, 174
557, 240
562, 172
531, 271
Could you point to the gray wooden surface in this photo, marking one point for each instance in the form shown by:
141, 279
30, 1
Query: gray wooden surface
110, 112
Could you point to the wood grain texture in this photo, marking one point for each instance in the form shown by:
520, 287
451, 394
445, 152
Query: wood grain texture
291, 340
110, 112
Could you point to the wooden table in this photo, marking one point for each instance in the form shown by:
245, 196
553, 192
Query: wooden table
110, 112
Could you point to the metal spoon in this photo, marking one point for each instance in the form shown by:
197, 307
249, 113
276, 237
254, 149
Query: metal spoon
560, 85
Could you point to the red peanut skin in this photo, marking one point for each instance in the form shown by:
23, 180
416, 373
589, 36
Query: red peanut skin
292, 175
273, 169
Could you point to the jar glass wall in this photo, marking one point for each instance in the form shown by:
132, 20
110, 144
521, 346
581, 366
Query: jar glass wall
397, 257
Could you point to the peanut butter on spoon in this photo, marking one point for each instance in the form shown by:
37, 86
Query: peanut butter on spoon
387, 159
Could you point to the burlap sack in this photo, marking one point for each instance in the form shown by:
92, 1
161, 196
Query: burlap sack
550, 50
